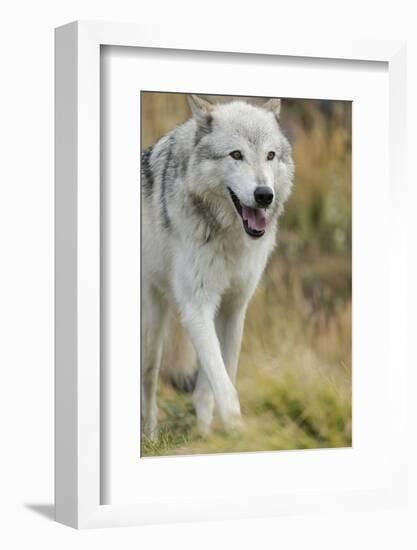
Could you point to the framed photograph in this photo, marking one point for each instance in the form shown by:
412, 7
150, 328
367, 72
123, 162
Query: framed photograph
230, 340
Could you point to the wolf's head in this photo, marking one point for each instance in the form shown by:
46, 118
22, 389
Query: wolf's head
242, 156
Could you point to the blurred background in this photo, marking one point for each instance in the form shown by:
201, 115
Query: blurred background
294, 377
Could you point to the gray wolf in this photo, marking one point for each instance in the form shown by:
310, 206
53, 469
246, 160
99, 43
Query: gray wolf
212, 192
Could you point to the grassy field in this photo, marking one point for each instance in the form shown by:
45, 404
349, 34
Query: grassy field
294, 377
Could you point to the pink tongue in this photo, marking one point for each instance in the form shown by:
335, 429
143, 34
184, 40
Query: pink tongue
255, 217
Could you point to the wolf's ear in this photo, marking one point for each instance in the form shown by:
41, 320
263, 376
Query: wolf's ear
201, 110
273, 105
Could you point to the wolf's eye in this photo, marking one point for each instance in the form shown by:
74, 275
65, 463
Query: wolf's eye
237, 155
270, 155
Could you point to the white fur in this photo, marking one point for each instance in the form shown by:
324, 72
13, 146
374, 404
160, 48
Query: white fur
206, 266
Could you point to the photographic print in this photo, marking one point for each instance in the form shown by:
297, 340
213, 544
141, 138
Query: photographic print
246, 238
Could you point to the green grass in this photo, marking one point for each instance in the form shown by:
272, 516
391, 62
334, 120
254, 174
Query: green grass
280, 413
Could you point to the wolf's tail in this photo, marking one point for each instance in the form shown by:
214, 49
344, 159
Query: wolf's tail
179, 361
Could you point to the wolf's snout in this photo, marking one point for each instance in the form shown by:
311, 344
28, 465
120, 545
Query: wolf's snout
263, 195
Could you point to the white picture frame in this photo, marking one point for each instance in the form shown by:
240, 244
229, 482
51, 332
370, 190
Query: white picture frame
78, 407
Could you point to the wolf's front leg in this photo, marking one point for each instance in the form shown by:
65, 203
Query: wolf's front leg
229, 329
229, 326
204, 403
199, 323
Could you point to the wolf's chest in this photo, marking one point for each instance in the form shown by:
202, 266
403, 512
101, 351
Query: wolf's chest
237, 265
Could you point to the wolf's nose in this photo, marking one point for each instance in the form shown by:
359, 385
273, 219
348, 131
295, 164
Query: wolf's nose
263, 195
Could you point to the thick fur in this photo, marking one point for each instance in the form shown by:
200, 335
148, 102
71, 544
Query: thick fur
197, 259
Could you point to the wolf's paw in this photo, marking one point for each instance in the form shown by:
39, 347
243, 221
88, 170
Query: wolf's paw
235, 425
230, 412
150, 430
152, 435
184, 383
204, 429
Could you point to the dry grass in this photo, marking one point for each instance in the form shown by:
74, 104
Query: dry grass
295, 366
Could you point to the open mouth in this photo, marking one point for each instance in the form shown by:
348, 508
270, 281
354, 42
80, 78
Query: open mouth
253, 219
